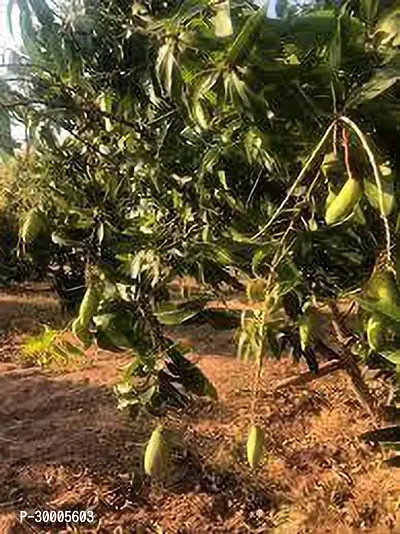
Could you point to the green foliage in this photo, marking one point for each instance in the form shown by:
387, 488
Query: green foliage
166, 150
171, 314
50, 350
20, 191
158, 385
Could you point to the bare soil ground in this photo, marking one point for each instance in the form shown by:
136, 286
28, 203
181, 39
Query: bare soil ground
64, 446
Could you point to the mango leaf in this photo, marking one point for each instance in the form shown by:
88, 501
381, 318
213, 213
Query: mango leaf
147, 396
392, 445
6, 142
372, 193
185, 375
390, 312
113, 341
166, 65
388, 29
171, 314
210, 159
71, 349
222, 178
220, 255
382, 80
238, 237
335, 49
65, 242
243, 349
222, 18
209, 390
123, 388
369, 9
26, 25
200, 114
311, 31
388, 434
118, 330
246, 34
237, 90
392, 357
10, 7
42, 11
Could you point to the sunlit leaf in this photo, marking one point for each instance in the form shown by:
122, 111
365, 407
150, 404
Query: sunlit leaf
65, 242
393, 357
171, 314
388, 311
222, 18
387, 30
372, 193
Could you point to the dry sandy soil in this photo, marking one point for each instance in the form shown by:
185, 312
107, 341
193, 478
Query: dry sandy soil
64, 446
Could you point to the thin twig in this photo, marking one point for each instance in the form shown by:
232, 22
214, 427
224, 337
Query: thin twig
378, 181
345, 141
297, 180
257, 376
256, 181
334, 101
350, 363
359, 385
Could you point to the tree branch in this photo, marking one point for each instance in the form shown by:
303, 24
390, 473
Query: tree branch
304, 378
11, 105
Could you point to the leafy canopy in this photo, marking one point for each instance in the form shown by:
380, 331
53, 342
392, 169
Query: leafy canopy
168, 151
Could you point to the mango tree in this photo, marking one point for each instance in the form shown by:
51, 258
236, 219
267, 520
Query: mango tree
204, 139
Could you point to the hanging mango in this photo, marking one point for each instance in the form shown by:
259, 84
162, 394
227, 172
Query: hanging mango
345, 202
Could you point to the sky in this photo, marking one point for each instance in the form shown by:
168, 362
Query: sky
6, 39
9, 41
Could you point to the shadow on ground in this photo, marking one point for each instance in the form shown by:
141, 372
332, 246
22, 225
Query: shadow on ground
63, 445
26, 312
46, 420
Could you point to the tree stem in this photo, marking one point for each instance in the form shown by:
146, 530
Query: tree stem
308, 376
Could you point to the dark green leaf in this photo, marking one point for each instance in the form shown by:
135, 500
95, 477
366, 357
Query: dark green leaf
381, 81
369, 9
383, 434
